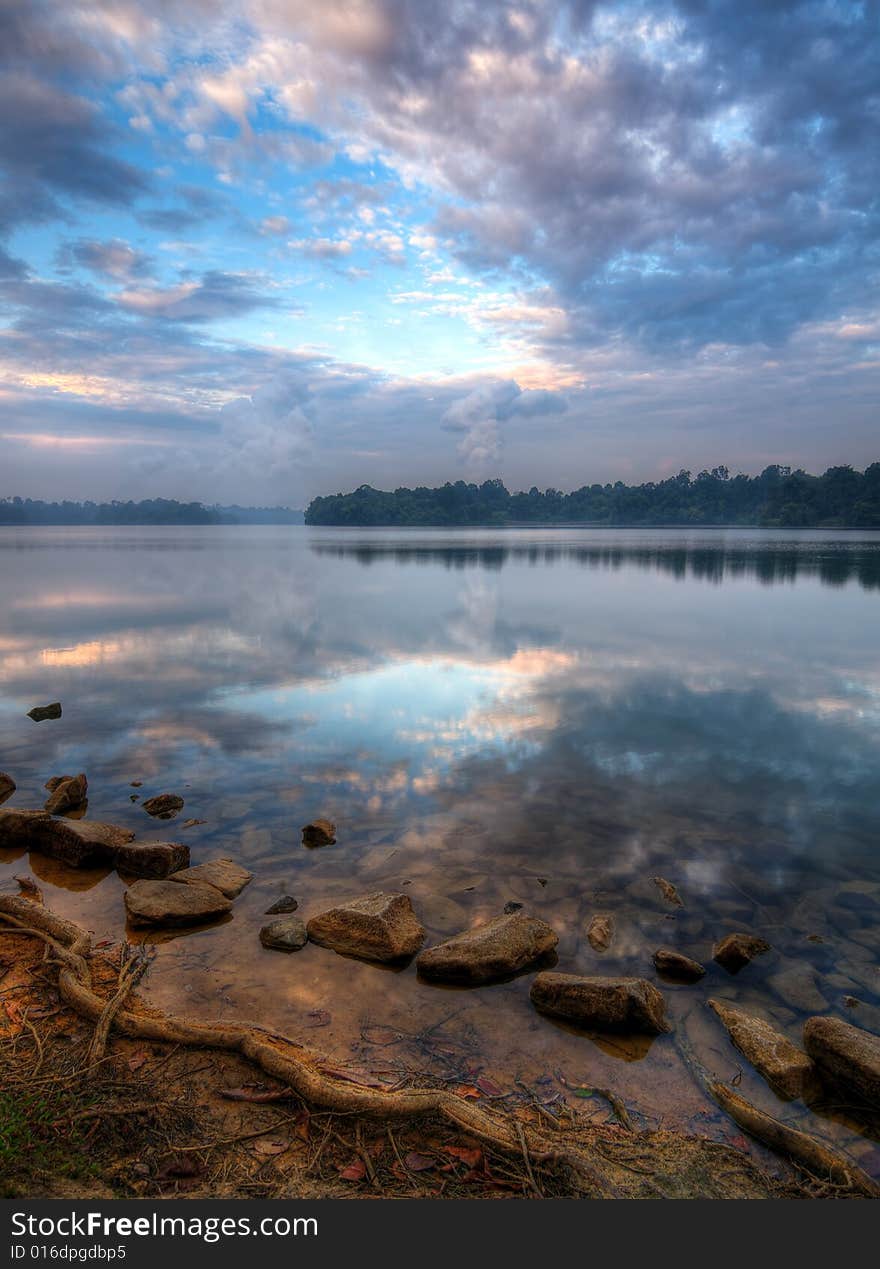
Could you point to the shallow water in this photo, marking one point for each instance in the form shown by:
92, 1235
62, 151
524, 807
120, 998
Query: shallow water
548, 716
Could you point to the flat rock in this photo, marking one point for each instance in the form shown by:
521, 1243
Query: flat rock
736, 950
677, 965
41, 712
377, 927
286, 934
79, 843
785, 1067
151, 859
502, 946
165, 903
164, 806
600, 932
846, 1055
69, 793
797, 986
7, 786
601, 1004
319, 833
286, 903
224, 874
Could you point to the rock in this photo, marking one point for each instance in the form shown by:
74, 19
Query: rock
41, 712
845, 1055
669, 892
601, 1004
151, 859
223, 874
166, 903
164, 806
784, 1066
286, 903
796, 986
600, 932
677, 965
512, 906
319, 833
53, 782
186, 823
136, 784
7, 786
736, 950
80, 843
287, 934
69, 793
377, 927
502, 946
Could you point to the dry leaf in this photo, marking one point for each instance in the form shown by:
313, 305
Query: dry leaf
488, 1088
467, 1090
472, 1158
418, 1162
136, 1062
354, 1171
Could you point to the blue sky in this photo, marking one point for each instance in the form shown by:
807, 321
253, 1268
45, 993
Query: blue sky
262, 250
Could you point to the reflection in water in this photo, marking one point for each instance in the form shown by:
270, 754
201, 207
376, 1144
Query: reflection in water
551, 717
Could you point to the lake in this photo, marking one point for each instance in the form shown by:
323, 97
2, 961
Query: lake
551, 717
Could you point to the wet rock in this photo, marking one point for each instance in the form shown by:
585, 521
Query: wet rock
377, 927
600, 932
677, 965
69, 793
845, 1055
512, 906
151, 859
41, 712
736, 950
319, 833
669, 892
500, 947
53, 782
7, 786
797, 986
287, 934
168, 904
601, 1004
785, 1067
136, 784
192, 823
223, 874
79, 843
164, 806
286, 903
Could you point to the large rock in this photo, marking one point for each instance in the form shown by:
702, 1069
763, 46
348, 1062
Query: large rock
377, 927
225, 875
600, 932
41, 712
736, 950
601, 1004
502, 946
151, 859
319, 833
164, 806
784, 1066
80, 843
7, 786
69, 793
166, 903
676, 965
285, 934
846, 1055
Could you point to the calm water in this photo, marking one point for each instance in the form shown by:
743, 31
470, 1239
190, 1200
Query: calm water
548, 716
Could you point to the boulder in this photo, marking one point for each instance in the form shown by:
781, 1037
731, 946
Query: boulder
286, 903
319, 833
7, 786
376, 927
286, 934
736, 950
677, 965
845, 1055
164, 806
69, 793
225, 875
41, 712
601, 1004
151, 859
496, 949
79, 843
784, 1066
600, 932
166, 903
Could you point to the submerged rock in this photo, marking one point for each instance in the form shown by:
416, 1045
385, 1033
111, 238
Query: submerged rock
736, 950
845, 1055
377, 927
512, 906
785, 1067
601, 1004
319, 833
187, 823
7, 786
68, 792
669, 892
41, 712
80, 843
677, 965
797, 987
164, 806
500, 947
151, 859
167, 903
600, 932
224, 874
287, 934
286, 903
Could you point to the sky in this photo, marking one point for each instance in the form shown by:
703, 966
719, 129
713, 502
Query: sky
256, 251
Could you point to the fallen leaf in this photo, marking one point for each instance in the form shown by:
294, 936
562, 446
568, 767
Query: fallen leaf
354, 1171
418, 1162
472, 1158
262, 1146
583, 1091
467, 1090
488, 1088
301, 1125
255, 1093
135, 1063
319, 1018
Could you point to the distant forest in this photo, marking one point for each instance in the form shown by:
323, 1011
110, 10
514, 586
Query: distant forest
779, 497
151, 511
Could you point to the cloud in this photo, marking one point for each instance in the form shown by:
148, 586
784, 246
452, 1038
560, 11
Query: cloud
214, 296
479, 414
112, 259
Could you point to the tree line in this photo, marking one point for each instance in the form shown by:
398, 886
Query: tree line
149, 511
778, 497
